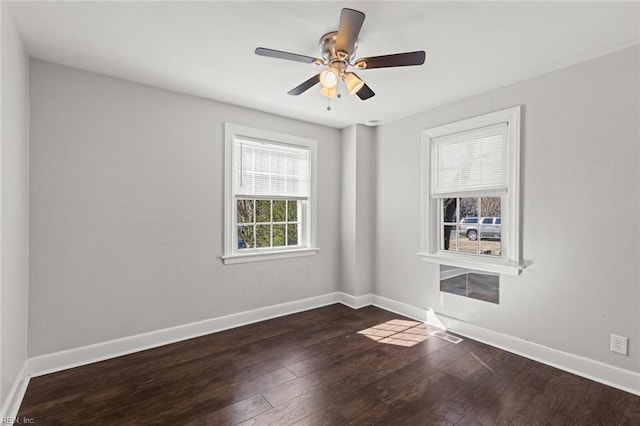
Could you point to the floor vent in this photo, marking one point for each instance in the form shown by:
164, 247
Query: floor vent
447, 337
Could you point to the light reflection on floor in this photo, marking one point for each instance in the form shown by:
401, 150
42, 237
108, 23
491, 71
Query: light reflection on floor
398, 332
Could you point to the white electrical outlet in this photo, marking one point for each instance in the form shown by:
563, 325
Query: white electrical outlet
619, 344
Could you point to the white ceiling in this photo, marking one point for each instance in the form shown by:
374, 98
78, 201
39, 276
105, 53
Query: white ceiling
207, 48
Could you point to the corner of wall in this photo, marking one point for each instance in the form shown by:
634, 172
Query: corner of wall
14, 212
357, 210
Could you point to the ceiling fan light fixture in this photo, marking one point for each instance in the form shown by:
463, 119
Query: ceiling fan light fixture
353, 83
329, 78
329, 92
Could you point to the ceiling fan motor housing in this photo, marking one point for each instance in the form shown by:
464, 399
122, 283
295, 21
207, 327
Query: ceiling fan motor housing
337, 60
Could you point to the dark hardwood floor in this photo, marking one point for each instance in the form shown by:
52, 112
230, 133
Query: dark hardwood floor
328, 366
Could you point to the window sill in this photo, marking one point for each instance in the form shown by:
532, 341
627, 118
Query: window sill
270, 255
497, 266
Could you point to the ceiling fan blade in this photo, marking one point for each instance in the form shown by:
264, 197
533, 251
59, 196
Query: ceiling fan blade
395, 60
301, 88
348, 30
263, 51
365, 93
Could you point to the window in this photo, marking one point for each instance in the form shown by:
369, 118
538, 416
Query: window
470, 176
269, 195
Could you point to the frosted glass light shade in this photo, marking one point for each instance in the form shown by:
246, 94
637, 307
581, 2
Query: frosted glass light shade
329, 78
329, 92
353, 83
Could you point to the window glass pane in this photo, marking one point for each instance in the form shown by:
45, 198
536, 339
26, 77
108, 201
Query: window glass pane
471, 234
469, 208
449, 210
245, 211
465, 245
279, 210
292, 234
245, 237
267, 223
449, 222
490, 246
263, 210
263, 235
491, 229
292, 212
279, 235
490, 206
468, 225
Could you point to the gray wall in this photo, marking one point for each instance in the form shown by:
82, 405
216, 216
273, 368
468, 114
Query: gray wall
14, 204
127, 212
126, 202
357, 209
580, 211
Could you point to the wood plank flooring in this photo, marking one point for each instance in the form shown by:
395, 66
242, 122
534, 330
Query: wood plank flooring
327, 366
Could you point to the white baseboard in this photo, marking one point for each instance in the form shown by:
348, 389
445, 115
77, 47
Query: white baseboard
57, 361
597, 371
400, 308
355, 302
13, 400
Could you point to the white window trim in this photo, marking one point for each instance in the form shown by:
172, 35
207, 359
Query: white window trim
511, 264
231, 254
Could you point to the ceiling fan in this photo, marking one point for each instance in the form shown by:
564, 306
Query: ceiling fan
338, 55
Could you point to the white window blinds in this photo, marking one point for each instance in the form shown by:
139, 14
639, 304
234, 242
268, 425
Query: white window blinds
470, 162
264, 169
